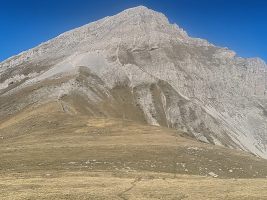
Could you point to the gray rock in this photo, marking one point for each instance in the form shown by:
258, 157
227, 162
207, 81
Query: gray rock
174, 80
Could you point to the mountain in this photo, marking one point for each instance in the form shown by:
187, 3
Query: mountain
137, 66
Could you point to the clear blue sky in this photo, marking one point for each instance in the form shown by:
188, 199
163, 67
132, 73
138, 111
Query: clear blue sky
240, 25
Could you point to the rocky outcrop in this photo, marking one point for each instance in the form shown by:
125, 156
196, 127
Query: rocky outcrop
137, 65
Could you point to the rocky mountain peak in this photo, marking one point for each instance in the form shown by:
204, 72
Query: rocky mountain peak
136, 65
128, 25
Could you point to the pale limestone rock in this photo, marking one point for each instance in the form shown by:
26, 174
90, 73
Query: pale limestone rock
178, 81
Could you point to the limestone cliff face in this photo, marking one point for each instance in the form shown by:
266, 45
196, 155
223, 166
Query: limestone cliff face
136, 65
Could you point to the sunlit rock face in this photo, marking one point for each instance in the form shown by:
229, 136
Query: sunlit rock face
136, 65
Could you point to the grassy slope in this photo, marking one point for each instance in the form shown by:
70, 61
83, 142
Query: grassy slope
53, 152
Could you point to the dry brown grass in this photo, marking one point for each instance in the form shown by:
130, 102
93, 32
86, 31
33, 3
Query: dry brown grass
47, 153
127, 185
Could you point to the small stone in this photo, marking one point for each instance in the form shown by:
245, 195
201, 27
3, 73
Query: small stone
213, 174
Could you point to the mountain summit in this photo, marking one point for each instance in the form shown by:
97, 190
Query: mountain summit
136, 65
